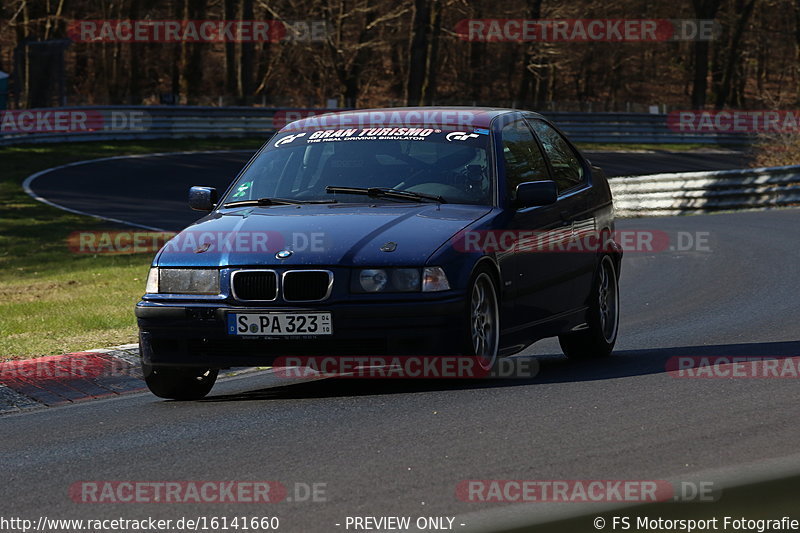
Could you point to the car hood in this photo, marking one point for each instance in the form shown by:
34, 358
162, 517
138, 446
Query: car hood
374, 235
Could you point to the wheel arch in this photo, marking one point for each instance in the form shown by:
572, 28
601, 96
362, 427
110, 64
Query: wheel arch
488, 263
614, 249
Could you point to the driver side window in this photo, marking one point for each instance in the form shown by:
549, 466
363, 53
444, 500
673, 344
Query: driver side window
522, 157
567, 167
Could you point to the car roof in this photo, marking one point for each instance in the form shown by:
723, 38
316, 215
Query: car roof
450, 116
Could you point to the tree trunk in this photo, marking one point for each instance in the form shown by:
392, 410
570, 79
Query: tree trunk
135, 72
477, 68
532, 72
418, 52
733, 59
192, 72
177, 58
703, 9
229, 13
349, 74
246, 61
797, 46
263, 89
432, 68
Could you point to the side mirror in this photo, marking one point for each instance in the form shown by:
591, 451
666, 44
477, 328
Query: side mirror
203, 198
536, 193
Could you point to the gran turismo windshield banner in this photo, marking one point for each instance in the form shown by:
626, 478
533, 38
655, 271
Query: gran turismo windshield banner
470, 137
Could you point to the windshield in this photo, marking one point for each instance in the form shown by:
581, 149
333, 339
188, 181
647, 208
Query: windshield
310, 165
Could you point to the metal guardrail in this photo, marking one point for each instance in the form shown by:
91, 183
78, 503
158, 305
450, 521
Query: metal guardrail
103, 123
635, 128
702, 192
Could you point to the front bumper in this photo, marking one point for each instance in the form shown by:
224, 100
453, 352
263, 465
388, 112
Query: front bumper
195, 334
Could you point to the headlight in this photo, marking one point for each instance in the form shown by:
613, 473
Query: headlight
396, 280
373, 280
434, 279
183, 281
405, 279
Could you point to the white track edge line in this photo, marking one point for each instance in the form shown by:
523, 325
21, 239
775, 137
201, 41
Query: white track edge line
26, 184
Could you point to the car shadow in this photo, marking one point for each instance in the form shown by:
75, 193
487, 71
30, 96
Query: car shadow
551, 369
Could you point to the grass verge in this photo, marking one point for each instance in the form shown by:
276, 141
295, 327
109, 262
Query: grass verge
52, 300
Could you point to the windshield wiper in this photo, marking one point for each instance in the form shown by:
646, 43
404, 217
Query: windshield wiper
275, 201
385, 192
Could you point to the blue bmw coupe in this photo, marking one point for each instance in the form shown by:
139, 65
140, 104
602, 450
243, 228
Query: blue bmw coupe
468, 232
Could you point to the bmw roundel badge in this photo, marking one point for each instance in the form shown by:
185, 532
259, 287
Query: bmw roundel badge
283, 254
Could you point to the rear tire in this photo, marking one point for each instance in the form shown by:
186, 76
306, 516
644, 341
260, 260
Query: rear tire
179, 383
603, 317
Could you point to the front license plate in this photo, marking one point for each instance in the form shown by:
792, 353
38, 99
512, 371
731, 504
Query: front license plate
279, 324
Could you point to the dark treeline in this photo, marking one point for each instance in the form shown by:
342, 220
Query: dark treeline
379, 52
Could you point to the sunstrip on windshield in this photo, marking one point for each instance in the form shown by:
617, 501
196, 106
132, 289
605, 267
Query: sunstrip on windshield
381, 134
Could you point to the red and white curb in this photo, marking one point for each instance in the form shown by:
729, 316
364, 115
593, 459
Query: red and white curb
73, 377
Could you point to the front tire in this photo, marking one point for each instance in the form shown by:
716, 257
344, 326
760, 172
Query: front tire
603, 318
482, 321
179, 383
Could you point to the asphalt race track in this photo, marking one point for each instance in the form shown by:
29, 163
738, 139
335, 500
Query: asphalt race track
151, 191
401, 447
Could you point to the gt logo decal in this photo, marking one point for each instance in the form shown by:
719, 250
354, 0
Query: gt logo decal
460, 136
288, 139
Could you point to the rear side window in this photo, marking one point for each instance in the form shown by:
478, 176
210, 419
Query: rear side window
567, 167
522, 157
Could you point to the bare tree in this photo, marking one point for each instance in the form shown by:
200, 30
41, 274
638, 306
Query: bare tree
534, 69
742, 11
703, 9
423, 52
382, 52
